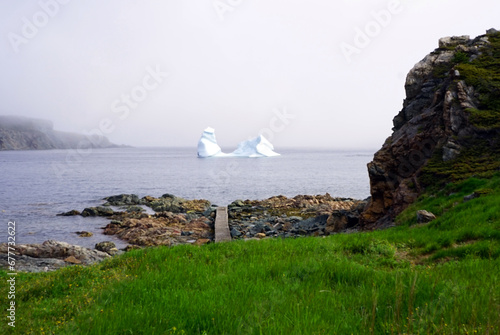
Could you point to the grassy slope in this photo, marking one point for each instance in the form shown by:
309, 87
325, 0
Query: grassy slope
438, 278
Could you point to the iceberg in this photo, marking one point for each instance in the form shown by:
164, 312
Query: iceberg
207, 145
255, 147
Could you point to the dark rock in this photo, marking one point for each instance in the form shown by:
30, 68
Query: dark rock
122, 200
424, 216
341, 220
235, 233
97, 211
237, 203
84, 234
136, 209
434, 124
186, 233
107, 246
70, 213
171, 203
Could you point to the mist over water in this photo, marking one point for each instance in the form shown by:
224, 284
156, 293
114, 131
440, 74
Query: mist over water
37, 185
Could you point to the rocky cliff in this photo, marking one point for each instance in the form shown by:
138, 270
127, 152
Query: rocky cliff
21, 133
448, 129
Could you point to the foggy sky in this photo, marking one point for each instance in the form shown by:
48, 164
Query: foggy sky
315, 73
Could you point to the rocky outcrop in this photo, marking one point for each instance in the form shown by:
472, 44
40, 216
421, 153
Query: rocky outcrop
450, 117
303, 215
49, 255
162, 229
21, 133
171, 203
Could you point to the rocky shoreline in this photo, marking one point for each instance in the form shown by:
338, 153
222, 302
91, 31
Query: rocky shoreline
170, 220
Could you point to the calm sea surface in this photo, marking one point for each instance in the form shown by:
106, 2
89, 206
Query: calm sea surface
37, 185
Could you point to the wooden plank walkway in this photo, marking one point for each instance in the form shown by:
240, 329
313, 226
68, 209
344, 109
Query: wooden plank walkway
222, 233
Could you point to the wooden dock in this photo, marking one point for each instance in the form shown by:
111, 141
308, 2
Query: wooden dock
222, 233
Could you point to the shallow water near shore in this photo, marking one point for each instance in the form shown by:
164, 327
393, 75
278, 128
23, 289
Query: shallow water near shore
37, 185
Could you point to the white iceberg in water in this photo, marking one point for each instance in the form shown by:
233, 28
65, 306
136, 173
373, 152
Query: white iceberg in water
207, 145
255, 147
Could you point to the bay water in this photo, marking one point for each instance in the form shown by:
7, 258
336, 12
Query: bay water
37, 185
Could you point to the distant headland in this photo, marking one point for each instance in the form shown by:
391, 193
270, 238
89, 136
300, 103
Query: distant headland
23, 133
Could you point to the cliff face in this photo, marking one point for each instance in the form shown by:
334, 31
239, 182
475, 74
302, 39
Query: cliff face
448, 129
20, 133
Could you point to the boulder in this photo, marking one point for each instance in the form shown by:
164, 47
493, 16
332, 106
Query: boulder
84, 234
97, 211
51, 254
171, 203
122, 200
136, 209
424, 216
70, 213
107, 246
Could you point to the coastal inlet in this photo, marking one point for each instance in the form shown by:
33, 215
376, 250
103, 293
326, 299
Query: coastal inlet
170, 220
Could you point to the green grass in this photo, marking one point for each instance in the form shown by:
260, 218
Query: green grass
439, 278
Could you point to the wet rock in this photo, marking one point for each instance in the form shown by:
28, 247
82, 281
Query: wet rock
70, 213
137, 209
97, 211
122, 200
173, 204
84, 234
424, 216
